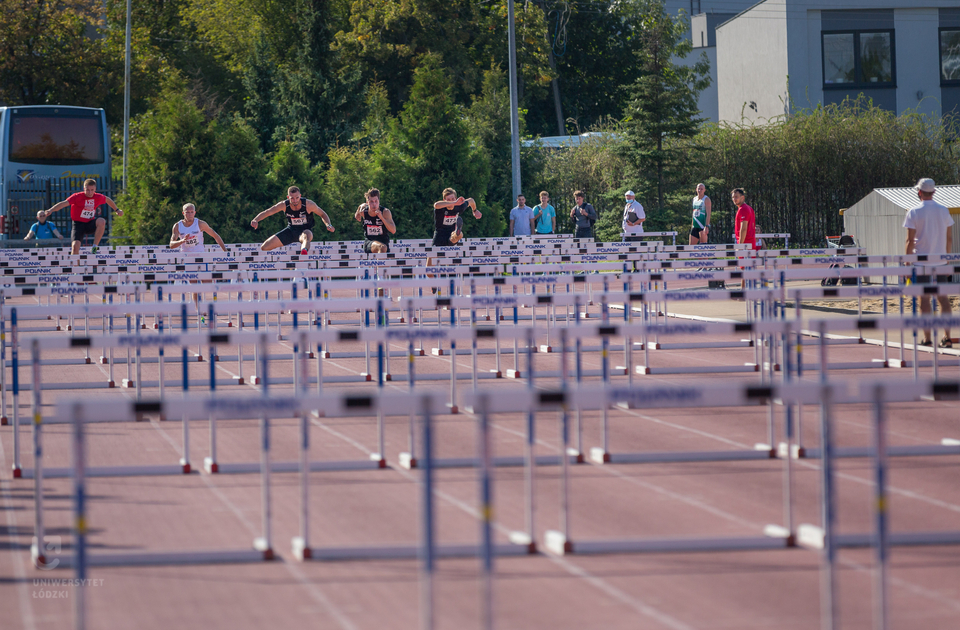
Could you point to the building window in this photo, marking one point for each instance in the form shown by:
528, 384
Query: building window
950, 56
858, 59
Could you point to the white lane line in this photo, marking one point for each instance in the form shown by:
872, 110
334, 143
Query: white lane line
19, 572
315, 592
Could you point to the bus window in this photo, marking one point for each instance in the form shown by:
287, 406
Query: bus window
40, 138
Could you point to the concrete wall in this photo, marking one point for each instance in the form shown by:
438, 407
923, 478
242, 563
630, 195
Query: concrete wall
752, 63
708, 98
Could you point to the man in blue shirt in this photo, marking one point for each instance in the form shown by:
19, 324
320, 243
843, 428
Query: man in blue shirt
42, 228
545, 215
521, 218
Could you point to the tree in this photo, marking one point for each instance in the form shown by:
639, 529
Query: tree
388, 38
427, 149
178, 155
663, 109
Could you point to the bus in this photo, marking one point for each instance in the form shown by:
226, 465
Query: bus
46, 152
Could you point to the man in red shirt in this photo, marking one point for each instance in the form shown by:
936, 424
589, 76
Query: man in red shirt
83, 214
745, 222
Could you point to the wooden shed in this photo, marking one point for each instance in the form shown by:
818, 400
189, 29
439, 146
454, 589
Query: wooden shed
876, 221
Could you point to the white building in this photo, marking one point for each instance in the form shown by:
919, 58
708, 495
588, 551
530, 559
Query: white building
876, 221
780, 55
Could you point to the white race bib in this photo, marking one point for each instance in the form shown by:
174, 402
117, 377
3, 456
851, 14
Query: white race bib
87, 213
191, 239
451, 220
298, 220
374, 230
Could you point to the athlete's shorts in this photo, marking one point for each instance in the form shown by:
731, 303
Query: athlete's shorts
82, 228
290, 234
441, 238
368, 243
583, 232
695, 232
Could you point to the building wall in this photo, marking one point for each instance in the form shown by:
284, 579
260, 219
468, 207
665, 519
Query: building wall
785, 37
752, 63
708, 98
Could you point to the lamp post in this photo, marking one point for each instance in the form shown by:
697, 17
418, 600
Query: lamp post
126, 100
514, 116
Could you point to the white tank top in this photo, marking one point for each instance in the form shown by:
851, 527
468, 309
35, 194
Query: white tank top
194, 237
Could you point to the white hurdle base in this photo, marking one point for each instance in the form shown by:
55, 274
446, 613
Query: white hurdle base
155, 558
599, 456
558, 544
400, 552
811, 537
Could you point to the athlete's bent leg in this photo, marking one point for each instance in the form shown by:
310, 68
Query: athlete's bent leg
101, 226
271, 243
377, 247
305, 238
75, 247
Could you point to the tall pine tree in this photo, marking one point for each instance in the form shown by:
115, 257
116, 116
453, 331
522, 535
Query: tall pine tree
662, 110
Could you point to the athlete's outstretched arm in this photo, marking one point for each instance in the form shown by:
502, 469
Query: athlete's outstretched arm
275, 208
205, 227
317, 210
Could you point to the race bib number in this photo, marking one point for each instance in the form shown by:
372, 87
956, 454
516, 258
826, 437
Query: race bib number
451, 220
374, 230
298, 221
87, 213
191, 239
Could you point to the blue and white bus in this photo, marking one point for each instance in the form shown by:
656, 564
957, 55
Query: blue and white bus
46, 151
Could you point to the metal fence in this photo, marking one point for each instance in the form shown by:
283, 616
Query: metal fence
25, 199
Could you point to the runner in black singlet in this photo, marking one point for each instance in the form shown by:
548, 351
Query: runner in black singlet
299, 222
447, 220
377, 221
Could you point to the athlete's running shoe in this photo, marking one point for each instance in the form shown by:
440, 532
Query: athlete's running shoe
304, 252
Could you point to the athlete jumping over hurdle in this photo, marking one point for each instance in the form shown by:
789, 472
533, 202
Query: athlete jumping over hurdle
299, 221
188, 232
83, 214
374, 219
447, 222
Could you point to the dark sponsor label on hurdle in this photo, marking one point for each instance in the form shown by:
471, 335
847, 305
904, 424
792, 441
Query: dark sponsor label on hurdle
636, 397
866, 324
249, 405
358, 402
544, 299
493, 300
407, 334
761, 393
742, 327
607, 331
80, 342
946, 389
553, 398
349, 335
147, 406
485, 332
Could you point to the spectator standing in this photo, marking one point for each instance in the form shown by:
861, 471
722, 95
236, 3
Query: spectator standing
633, 217
745, 222
929, 232
702, 207
583, 215
545, 215
521, 218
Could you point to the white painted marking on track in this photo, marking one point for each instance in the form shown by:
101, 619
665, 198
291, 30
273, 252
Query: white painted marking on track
315, 593
26, 609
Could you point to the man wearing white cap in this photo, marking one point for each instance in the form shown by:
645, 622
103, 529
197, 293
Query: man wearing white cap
929, 232
633, 217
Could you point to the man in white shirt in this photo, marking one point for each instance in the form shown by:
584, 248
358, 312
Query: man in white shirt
633, 216
929, 232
